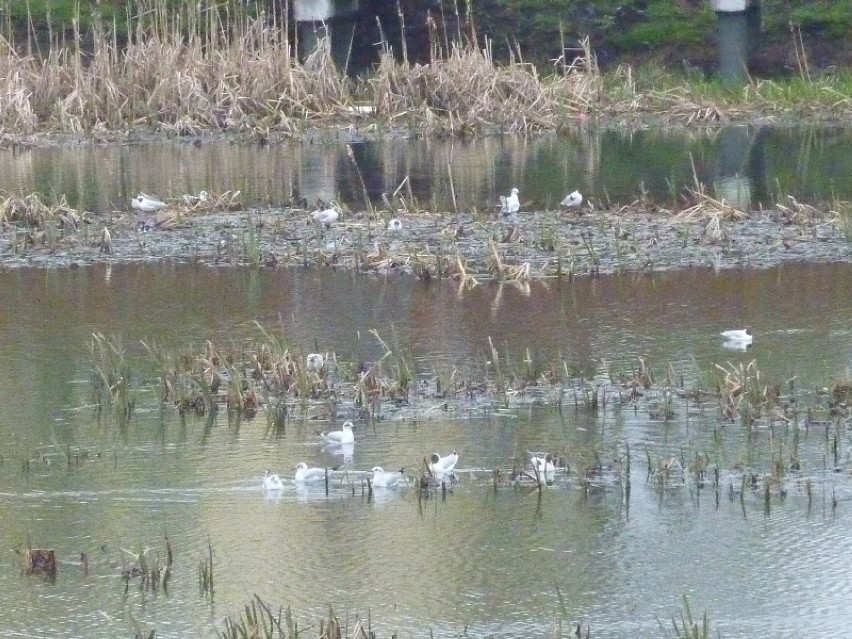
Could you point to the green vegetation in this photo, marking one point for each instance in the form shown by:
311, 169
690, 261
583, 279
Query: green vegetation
632, 31
665, 32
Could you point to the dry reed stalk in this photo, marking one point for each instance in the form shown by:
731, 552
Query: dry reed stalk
707, 208
180, 70
461, 274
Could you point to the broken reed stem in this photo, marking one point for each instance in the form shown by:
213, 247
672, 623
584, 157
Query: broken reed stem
367, 203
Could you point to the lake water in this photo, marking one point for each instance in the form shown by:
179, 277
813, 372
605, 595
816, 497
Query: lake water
751, 166
479, 561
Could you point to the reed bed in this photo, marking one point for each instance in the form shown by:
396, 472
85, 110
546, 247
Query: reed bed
35, 211
272, 377
202, 67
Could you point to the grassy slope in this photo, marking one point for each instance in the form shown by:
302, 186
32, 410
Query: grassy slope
679, 32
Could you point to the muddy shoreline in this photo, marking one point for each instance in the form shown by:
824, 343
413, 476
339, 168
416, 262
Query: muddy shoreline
476, 244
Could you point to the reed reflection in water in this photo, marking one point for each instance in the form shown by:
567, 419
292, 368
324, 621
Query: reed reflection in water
750, 166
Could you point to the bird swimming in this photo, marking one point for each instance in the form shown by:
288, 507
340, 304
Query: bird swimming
543, 465
510, 204
343, 436
305, 475
574, 198
272, 481
385, 478
742, 335
442, 465
146, 203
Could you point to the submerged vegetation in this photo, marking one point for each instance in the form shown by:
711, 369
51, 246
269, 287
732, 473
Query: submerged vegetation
197, 68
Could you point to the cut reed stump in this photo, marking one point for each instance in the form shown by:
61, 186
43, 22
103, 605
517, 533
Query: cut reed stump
40, 561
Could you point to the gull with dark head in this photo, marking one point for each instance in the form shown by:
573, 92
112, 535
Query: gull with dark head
443, 465
572, 199
740, 336
543, 466
146, 203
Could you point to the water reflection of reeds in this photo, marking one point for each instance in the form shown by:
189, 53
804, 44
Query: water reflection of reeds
445, 175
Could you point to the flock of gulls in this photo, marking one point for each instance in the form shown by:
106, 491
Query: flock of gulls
542, 468
439, 467
511, 204
327, 215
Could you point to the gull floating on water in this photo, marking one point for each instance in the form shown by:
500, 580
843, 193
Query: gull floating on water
314, 361
543, 465
343, 436
326, 217
574, 198
741, 335
272, 481
305, 475
146, 203
395, 224
510, 204
442, 465
385, 478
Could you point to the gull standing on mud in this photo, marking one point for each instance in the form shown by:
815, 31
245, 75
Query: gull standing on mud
314, 362
510, 204
192, 200
575, 198
146, 203
343, 436
325, 217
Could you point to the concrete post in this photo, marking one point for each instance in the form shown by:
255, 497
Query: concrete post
737, 33
317, 19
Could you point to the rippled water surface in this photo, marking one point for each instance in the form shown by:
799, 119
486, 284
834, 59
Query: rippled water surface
480, 561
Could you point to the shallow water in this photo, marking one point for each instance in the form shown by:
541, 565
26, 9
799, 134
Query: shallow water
487, 563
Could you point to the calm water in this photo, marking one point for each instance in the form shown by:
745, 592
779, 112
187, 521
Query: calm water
751, 166
481, 562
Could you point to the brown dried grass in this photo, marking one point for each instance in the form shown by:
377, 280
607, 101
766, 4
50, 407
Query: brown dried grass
195, 69
34, 211
179, 72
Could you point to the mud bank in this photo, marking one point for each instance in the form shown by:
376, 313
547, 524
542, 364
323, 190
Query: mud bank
477, 245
